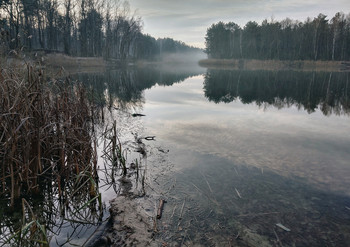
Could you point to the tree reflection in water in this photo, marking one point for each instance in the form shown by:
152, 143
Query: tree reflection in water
124, 88
327, 91
70, 217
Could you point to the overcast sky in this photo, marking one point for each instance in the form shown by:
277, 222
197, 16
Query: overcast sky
188, 20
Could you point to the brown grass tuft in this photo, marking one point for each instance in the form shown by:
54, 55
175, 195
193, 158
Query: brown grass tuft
72, 64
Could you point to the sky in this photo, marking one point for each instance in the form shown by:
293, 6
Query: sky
188, 20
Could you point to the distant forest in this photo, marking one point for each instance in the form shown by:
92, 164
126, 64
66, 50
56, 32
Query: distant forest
317, 39
90, 28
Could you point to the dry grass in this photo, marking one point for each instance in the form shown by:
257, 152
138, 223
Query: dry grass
45, 132
253, 64
73, 64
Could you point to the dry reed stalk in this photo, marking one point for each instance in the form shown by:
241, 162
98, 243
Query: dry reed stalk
47, 147
45, 131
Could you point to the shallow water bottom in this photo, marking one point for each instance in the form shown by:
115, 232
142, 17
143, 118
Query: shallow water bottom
225, 204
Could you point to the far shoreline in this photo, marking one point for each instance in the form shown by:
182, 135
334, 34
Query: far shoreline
274, 65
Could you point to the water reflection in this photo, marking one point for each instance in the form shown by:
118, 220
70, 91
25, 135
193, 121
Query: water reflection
327, 91
240, 170
71, 218
58, 220
124, 88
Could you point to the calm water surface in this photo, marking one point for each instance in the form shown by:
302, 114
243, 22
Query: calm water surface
243, 158
293, 143
252, 158
260, 158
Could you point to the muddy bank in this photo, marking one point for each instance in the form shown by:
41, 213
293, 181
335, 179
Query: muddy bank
130, 224
133, 210
57, 62
133, 219
73, 65
298, 65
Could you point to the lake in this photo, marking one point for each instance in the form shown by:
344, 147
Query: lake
242, 157
247, 158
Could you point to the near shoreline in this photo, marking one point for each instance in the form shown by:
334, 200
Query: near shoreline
253, 64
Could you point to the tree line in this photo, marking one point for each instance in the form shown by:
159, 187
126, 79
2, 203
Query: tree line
79, 28
313, 39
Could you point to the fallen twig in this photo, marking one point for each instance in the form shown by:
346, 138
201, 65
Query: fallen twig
172, 215
239, 195
207, 182
283, 227
150, 138
278, 239
182, 209
155, 229
137, 115
199, 190
254, 215
160, 208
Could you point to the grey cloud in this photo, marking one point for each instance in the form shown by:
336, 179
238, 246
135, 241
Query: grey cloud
188, 20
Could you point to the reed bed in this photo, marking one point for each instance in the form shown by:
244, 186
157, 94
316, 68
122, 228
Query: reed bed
48, 154
46, 133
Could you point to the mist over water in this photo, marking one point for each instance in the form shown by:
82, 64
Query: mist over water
183, 57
